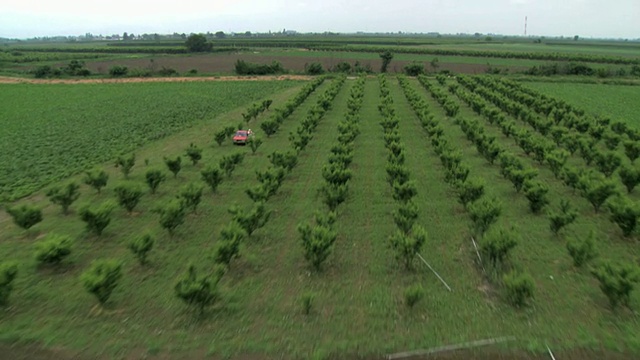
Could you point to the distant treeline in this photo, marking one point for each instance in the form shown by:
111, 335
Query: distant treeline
551, 56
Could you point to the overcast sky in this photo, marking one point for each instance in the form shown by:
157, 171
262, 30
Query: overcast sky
586, 18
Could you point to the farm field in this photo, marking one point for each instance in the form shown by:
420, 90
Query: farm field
293, 61
357, 300
598, 48
612, 101
91, 123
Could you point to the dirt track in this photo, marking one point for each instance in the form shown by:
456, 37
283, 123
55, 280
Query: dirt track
12, 80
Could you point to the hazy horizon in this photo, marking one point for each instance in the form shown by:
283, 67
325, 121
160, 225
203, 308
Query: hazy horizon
585, 18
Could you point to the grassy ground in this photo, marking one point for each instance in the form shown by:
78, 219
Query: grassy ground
617, 102
358, 307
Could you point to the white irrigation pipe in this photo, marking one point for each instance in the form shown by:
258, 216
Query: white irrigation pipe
440, 349
438, 275
478, 253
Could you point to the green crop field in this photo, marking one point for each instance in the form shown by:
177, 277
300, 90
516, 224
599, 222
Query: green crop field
380, 147
62, 129
613, 101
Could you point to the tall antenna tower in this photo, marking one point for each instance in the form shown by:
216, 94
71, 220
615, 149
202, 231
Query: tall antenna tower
525, 26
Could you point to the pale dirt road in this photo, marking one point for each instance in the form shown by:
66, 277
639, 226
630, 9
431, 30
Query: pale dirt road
14, 80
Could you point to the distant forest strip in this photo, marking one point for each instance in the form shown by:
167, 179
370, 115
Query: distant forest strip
551, 56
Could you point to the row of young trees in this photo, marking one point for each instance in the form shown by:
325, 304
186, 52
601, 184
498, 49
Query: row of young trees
596, 187
319, 237
597, 139
408, 240
128, 194
484, 211
271, 125
202, 291
617, 279
569, 130
545, 105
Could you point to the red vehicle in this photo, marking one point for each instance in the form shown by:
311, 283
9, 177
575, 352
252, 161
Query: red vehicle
242, 136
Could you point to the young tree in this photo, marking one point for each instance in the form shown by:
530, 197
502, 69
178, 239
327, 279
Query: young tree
556, 160
253, 220
254, 143
598, 191
25, 215
96, 178
172, 215
128, 195
229, 245
566, 216
470, 191
190, 196
53, 249
519, 176
407, 246
198, 292
520, 287
386, 57
154, 177
536, 193
582, 250
413, 294
624, 213
220, 136
174, 165
608, 162
228, 163
632, 149
336, 174
630, 176
497, 244
405, 216
212, 176
230, 131
194, 153
484, 213
8, 273
269, 127
317, 243
286, 160
125, 163
64, 196
102, 278
617, 281
333, 195
140, 247
404, 192
98, 217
